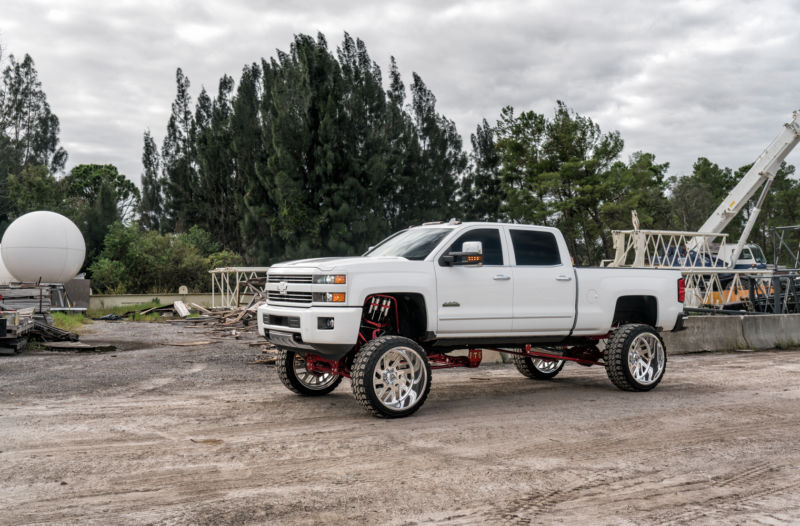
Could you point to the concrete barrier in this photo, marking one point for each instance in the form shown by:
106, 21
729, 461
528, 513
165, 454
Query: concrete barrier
728, 333
771, 331
104, 301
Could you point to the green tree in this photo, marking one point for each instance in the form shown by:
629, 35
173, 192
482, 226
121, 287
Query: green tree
481, 194
34, 188
177, 154
28, 140
96, 196
219, 190
694, 197
308, 156
565, 172
151, 262
249, 157
26, 119
151, 209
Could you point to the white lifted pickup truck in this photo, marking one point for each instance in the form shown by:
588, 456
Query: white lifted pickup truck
387, 318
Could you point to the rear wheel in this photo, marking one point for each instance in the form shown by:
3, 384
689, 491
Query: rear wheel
635, 357
537, 368
391, 376
296, 377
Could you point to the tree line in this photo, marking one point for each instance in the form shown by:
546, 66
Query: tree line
314, 153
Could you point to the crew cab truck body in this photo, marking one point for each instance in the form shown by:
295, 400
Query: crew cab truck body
387, 318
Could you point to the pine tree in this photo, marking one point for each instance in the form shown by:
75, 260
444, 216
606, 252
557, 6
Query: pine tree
26, 121
218, 188
442, 159
180, 177
251, 176
151, 208
481, 194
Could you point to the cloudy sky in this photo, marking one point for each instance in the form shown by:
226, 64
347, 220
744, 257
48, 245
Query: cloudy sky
679, 79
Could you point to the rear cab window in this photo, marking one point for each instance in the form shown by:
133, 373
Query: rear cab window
535, 248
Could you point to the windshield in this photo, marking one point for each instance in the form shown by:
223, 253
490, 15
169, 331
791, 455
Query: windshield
415, 243
758, 255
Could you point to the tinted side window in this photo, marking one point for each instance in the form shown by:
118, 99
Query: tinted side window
535, 248
489, 237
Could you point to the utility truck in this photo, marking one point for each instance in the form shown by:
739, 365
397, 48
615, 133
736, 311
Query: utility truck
387, 318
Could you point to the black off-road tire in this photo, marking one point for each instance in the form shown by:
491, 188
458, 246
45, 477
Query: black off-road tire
527, 366
624, 341
368, 369
286, 372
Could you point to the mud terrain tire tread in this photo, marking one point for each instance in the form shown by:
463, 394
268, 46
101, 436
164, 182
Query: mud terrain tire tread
615, 356
363, 364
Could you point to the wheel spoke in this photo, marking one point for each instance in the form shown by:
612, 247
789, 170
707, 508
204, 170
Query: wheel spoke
311, 379
646, 358
399, 378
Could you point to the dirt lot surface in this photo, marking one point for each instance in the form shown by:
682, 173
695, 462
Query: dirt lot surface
159, 434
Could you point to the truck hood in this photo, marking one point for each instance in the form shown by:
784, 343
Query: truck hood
328, 264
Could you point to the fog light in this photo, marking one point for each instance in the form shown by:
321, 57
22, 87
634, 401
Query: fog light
325, 324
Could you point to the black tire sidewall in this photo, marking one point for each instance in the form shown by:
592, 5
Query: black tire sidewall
372, 360
286, 374
626, 349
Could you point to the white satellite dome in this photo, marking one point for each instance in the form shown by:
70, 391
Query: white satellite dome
43, 245
5, 275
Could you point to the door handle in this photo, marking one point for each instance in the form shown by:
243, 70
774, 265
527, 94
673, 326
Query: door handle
501, 277
564, 277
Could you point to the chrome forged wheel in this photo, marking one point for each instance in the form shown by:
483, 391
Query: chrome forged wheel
313, 380
391, 376
296, 377
546, 365
635, 357
399, 378
537, 368
646, 358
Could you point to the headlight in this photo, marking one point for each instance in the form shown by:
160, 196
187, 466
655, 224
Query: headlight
328, 297
330, 279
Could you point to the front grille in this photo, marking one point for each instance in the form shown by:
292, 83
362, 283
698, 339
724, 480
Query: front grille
289, 278
289, 297
293, 322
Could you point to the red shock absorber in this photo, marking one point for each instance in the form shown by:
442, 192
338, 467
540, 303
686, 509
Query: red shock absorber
376, 319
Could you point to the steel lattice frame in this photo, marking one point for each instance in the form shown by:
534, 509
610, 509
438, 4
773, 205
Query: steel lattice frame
228, 283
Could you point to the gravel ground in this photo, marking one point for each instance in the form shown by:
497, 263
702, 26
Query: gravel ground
159, 434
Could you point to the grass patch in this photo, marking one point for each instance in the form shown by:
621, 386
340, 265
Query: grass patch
124, 309
69, 322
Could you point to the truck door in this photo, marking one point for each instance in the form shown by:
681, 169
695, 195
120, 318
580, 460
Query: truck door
475, 300
544, 284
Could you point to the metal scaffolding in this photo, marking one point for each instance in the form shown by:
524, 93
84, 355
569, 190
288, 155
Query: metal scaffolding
231, 286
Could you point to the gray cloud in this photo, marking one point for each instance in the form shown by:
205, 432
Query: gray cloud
679, 79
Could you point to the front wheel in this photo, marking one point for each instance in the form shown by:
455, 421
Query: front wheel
635, 358
297, 378
391, 376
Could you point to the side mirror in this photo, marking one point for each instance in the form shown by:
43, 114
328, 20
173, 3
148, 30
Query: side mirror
471, 255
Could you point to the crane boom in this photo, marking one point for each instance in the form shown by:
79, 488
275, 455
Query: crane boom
763, 171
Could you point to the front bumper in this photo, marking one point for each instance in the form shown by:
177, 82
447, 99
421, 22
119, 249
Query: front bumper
298, 329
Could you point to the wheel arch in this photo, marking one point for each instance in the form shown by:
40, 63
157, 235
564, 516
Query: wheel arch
636, 309
413, 313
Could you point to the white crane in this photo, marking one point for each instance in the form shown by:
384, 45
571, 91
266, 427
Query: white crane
762, 173
650, 247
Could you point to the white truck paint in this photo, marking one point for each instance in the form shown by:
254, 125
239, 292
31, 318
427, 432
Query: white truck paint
477, 305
